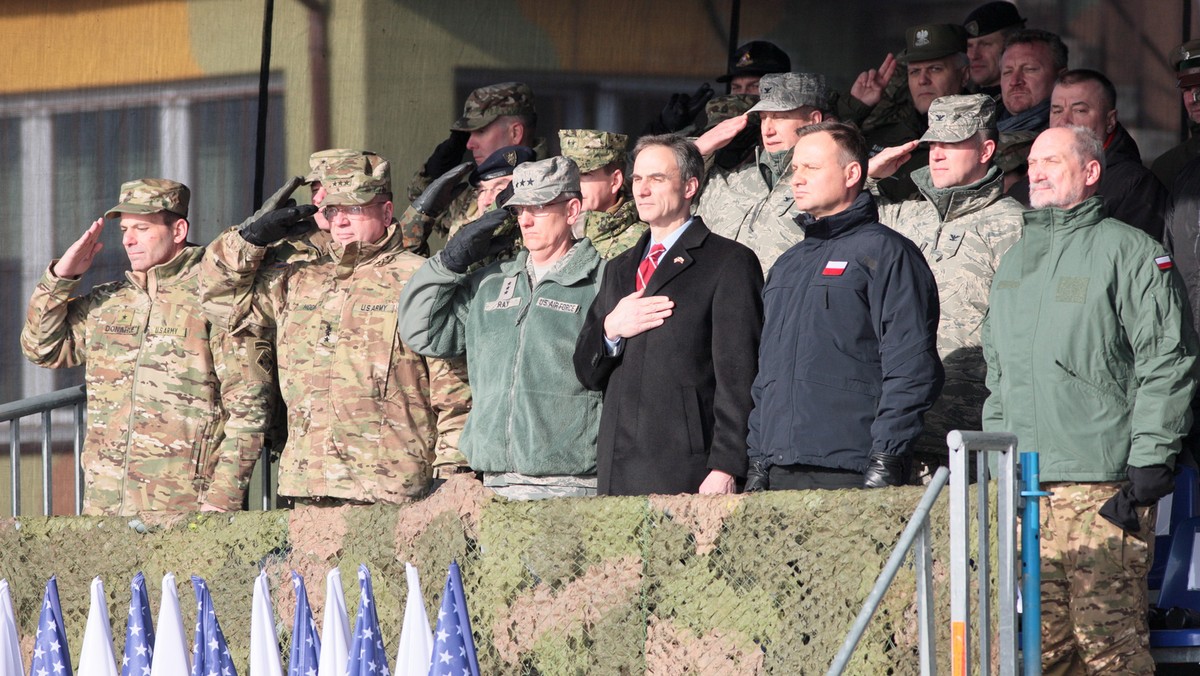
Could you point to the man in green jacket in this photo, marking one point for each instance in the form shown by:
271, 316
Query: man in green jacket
532, 429
1091, 362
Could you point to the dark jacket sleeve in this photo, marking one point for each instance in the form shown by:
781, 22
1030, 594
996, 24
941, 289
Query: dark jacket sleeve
737, 328
593, 366
904, 305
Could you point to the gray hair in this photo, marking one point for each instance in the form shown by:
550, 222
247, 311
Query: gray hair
1087, 146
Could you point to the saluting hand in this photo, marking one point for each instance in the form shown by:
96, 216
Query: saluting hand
722, 134
78, 259
635, 314
869, 85
887, 161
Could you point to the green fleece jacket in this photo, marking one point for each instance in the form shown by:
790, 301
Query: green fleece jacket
1090, 351
529, 414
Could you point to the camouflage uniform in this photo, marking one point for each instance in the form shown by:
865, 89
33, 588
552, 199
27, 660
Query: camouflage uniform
1094, 597
368, 418
618, 227
962, 232
753, 203
177, 410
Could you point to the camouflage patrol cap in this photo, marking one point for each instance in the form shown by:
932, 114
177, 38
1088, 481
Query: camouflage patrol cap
1012, 152
779, 92
927, 42
486, 104
542, 182
501, 163
150, 196
356, 180
958, 118
991, 17
721, 108
758, 57
1186, 61
591, 149
318, 160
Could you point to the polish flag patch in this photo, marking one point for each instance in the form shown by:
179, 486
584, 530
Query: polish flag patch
834, 268
1164, 262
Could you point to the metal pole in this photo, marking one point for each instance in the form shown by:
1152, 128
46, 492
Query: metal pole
960, 574
920, 519
14, 455
735, 21
1006, 508
923, 564
984, 563
264, 76
47, 478
78, 454
1031, 563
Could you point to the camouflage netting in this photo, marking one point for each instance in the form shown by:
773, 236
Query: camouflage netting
763, 584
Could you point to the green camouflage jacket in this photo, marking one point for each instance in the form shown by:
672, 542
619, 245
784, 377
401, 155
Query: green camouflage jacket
368, 418
753, 204
962, 232
613, 231
176, 408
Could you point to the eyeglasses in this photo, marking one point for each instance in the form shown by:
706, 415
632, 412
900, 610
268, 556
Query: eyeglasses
536, 211
349, 210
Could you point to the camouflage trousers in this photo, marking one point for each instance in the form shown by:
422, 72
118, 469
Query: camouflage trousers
1094, 598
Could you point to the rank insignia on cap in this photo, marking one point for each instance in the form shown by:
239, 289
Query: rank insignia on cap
511, 158
744, 59
1164, 262
922, 38
834, 269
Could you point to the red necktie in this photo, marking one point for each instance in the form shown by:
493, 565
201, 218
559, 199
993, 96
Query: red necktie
649, 265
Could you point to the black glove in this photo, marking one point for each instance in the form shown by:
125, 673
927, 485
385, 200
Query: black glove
440, 192
884, 469
680, 110
504, 196
277, 224
447, 154
1146, 485
757, 476
476, 241
276, 201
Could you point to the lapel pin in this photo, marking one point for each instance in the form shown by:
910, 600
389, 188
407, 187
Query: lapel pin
679, 259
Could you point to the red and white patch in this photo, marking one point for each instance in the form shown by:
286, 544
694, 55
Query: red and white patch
834, 268
1164, 262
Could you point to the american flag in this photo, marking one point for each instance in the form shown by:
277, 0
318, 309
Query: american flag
367, 655
305, 657
51, 657
453, 646
210, 654
139, 631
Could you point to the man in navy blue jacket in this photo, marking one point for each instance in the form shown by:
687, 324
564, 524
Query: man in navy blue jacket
848, 361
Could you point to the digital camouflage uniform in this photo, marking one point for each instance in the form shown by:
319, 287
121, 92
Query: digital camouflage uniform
177, 409
368, 418
617, 228
753, 203
740, 150
962, 232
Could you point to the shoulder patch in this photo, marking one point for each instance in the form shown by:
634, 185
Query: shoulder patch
1164, 262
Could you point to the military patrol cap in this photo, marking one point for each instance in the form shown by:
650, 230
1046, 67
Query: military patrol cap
721, 108
1186, 61
150, 196
591, 149
501, 163
542, 182
318, 160
930, 41
356, 180
991, 17
958, 118
486, 104
788, 91
757, 58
